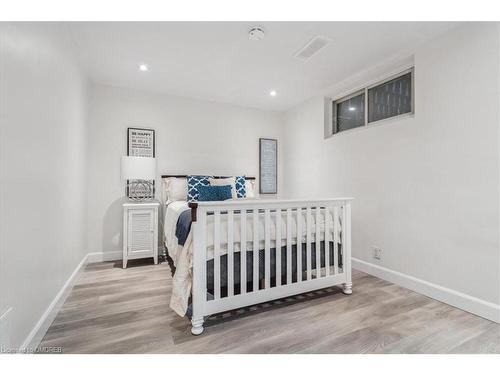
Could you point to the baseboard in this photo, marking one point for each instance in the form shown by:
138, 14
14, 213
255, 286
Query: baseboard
451, 297
38, 332
104, 256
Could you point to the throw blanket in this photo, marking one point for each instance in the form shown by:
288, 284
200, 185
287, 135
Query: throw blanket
183, 227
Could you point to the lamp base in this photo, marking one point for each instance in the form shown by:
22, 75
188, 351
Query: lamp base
140, 190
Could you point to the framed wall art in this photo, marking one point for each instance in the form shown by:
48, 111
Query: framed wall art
268, 166
140, 143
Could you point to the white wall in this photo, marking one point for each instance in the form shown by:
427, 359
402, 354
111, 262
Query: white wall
426, 188
43, 144
192, 137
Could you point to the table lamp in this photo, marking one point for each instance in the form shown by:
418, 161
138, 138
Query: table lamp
140, 172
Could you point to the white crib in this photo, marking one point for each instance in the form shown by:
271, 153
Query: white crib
315, 215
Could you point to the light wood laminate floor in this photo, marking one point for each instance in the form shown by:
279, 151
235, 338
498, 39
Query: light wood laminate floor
112, 310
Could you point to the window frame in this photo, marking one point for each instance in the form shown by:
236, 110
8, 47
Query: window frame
364, 89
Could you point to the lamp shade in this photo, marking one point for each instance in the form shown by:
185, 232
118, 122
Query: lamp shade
138, 168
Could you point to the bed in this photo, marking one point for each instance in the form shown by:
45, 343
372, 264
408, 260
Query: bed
239, 252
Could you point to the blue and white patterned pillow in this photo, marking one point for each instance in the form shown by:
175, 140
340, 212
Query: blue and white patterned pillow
193, 183
240, 187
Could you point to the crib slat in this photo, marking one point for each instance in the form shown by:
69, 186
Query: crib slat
278, 247
335, 240
267, 249
289, 246
327, 241
216, 254
308, 242
299, 244
255, 249
230, 254
243, 252
317, 238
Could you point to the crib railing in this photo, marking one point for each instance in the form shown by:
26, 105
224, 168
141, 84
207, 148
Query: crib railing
296, 264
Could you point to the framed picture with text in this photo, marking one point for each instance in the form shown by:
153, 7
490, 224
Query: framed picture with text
140, 143
268, 166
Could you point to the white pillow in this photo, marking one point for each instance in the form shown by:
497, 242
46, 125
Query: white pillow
176, 189
225, 181
250, 188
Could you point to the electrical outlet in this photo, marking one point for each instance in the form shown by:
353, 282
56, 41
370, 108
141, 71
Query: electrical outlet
377, 253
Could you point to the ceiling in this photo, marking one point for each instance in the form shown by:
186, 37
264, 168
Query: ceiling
216, 61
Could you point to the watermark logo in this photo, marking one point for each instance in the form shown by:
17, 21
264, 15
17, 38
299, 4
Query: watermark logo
39, 350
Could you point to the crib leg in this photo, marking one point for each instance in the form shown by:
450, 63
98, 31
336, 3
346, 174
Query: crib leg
347, 288
197, 326
346, 243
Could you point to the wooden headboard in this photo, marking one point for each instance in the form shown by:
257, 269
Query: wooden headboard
185, 176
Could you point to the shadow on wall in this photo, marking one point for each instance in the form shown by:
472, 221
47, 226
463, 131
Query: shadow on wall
112, 227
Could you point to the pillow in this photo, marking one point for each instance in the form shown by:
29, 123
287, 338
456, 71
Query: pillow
225, 181
240, 187
176, 189
250, 189
237, 183
214, 193
194, 182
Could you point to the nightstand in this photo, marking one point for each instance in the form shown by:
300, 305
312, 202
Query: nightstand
140, 231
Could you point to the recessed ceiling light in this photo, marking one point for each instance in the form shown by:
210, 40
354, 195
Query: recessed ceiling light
273, 93
352, 108
143, 68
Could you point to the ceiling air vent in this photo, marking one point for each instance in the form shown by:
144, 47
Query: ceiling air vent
312, 47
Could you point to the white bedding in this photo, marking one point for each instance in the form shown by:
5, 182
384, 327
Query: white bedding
172, 213
182, 255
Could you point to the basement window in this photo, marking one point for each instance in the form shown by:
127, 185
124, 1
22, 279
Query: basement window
350, 112
390, 98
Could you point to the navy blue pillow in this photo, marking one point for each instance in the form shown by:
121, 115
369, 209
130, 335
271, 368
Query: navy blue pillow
241, 191
214, 193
